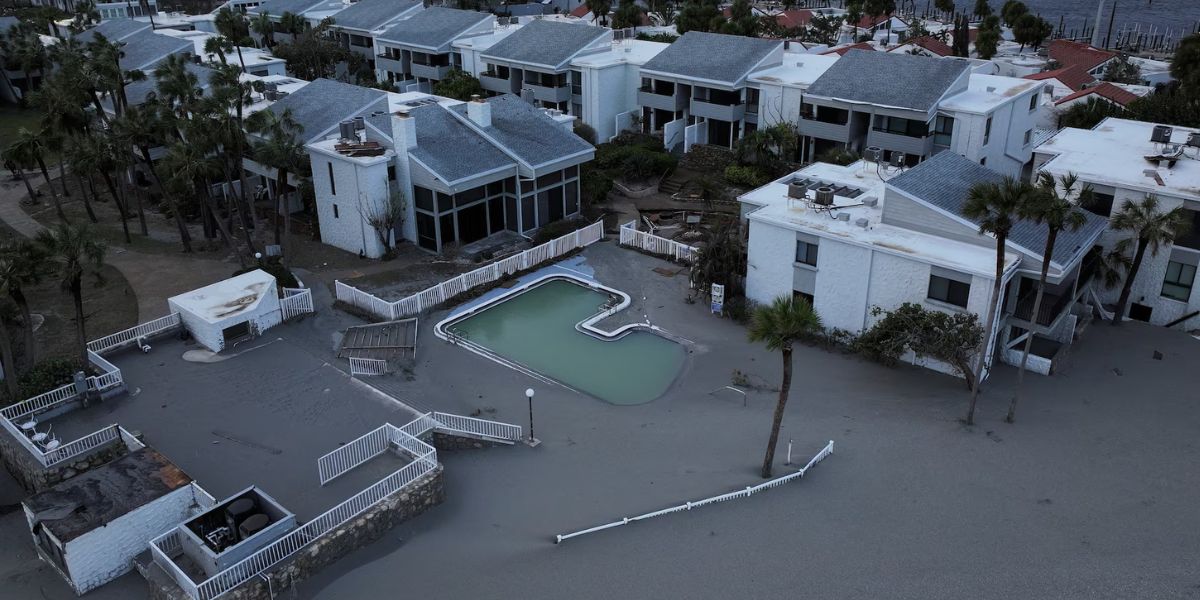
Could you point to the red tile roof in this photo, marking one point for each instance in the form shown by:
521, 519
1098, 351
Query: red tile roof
580, 11
791, 19
932, 44
1074, 77
867, 21
1105, 90
844, 49
1070, 54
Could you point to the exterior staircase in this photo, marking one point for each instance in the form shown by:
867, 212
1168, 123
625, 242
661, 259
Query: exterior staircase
673, 184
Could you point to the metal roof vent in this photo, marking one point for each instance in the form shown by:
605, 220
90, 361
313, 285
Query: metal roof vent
823, 196
872, 154
844, 217
861, 222
797, 190
1194, 139
1161, 134
870, 202
898, 159
346, 130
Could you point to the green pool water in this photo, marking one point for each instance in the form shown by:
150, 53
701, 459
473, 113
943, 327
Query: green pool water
536, 328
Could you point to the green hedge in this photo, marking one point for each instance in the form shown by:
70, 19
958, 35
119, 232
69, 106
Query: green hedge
746, 176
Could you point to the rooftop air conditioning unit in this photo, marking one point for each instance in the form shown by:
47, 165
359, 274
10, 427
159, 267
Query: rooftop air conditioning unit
898, 159
360, 123
797, 190
1161, 134
872, 154
842, 216
1194, 140
270, 95
346, 130
824, 196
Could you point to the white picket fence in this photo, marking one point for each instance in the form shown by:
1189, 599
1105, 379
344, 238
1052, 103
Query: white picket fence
341, 461
368, 366
296, 302
109, 377
131, 335
414, 304
742, 493
630, 236
458, 424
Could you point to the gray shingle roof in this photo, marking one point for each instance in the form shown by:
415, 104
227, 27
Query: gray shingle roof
889, 79
434, 27
451, 148
145, 49
278, 7
550, 43
322, 104
114, 30
368, 15
945, 180
712, 56
528, 132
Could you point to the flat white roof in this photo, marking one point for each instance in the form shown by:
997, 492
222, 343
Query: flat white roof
798, 215
250, 54
986, 92
797, 70
226, 299
1114, 154
633, 52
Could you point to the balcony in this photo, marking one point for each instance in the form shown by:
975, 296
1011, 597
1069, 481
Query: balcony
673, 102
492, 83
919, 146
544, 93
835, 132
388, 63
721, 112
436, 72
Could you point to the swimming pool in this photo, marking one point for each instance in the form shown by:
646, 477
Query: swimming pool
545, 328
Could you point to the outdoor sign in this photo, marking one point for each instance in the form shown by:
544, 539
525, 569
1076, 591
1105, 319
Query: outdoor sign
718, 298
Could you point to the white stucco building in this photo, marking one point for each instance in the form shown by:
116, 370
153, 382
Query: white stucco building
1117, 159
890, 237
89, 528
218, 314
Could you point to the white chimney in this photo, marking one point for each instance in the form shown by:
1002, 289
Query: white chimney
479, 111
404, 132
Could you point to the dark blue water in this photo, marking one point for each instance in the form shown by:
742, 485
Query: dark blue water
1178, 16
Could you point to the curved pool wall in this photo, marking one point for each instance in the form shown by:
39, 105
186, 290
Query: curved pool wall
631, 364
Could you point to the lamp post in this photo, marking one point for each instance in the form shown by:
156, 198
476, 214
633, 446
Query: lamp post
532, 441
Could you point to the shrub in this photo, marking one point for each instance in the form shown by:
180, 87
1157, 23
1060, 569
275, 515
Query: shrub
585, 131
594, 185
283, 277
557, 229
838, 156
739, 308
746, 176
46, 375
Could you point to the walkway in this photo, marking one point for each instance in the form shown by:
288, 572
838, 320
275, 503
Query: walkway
153, 277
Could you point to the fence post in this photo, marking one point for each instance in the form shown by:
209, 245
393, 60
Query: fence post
576, 239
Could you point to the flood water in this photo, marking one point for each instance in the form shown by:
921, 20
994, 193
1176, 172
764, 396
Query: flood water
536, 329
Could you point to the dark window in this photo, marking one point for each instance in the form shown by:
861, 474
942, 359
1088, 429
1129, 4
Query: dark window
987, 131
899, 126
1177, 285
949, 291
1033, 102
445, 202
391, 172
446, 225
943, 130
495, 188
549, 179
806, 253
335, 212
469, 196
571, 171
527, 213
426, 231
1100, 204
424, 198
332, 185
495, 215
572, 190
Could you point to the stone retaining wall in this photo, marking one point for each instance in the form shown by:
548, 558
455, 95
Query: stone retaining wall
35, 478
424, 493
449, 443
704, 158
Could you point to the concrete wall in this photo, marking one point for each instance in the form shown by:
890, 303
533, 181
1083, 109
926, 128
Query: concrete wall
778, 104
35, 478
262, 317
107, 552
1006, 151
608, 92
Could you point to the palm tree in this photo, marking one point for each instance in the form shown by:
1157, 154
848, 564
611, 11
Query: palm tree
218, 45
98, 154
141, 128
1151, 231
278, 148
233, 27
1057, 212
78, 158
994, 206
27, 150
178, 87
105, 65
19, 266
292, 23
73, 252
229, 98
8, 314
264, 27
779, 325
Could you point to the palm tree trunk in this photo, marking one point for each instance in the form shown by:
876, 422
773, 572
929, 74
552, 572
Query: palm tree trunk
1123, 300
10, 367
126, 185
222, 229
1037, 307
777, 422
28, 187
990, 330
18, 298
185, 237
240, 59
57, 204
80, 330
87, 201
112, 189
280, 202
62, 176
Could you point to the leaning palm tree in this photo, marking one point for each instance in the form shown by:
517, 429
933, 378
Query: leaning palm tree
779, 325
139, 127
233, 27
994, 206
73, 252
281, 149
28, 150
1152, 229
1056, 211
265, 28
